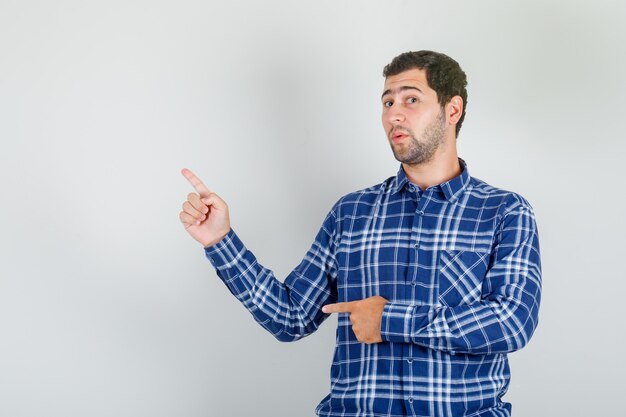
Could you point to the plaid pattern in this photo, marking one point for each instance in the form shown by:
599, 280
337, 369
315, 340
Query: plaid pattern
459, 264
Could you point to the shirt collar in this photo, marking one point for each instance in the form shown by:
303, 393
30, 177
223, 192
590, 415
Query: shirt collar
451, 189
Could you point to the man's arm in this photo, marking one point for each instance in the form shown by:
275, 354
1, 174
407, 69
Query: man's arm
502, 321
506, 316
289, 311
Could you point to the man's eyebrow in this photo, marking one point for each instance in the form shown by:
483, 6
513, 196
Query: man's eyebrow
403, 88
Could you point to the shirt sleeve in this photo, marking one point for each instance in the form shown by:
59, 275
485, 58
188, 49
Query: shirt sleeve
289, 310
505, 317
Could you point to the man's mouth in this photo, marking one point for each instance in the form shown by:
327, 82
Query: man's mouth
398, 137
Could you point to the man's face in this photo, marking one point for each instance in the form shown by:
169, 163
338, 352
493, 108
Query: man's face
412, 117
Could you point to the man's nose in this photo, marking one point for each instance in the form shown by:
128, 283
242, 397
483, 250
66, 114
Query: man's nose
395, 115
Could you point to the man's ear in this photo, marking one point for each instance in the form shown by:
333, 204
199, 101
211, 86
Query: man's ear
454, 110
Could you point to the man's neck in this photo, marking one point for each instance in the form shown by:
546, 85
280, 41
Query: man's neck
443, 167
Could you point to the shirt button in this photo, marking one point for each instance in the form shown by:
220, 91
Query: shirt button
412, 188
420, 212
409, 360
410, 399
413, 283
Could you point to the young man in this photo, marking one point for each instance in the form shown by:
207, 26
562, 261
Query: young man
435, 274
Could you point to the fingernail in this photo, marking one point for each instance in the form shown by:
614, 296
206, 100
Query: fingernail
325, 309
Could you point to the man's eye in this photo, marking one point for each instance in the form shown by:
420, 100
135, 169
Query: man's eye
412, 100
387, 103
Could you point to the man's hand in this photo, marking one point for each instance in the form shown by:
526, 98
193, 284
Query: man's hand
365, 316
205, 214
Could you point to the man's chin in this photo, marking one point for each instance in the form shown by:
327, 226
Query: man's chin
402, 159
405, 159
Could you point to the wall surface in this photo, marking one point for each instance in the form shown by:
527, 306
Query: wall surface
109, 308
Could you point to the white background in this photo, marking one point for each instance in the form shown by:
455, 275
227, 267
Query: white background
109, 308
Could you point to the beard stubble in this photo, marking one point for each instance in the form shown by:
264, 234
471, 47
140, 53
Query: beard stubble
417, 152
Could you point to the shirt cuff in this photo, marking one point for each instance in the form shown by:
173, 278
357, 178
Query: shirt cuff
400, 321
225, 253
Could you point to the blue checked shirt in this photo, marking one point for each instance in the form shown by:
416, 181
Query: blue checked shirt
459, 263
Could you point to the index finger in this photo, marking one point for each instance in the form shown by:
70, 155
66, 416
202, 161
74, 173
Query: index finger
195, 181
344, 307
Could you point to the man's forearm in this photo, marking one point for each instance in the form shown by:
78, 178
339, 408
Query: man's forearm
289, 310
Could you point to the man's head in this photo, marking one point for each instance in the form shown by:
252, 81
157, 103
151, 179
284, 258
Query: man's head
444, 75
423, 105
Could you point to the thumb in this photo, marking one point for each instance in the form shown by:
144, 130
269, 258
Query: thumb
214, 200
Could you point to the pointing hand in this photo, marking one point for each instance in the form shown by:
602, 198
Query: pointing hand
205, 214
365, 316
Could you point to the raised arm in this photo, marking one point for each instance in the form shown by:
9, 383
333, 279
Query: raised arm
289, 310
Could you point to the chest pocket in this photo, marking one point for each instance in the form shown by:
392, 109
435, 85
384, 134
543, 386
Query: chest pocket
461, 275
